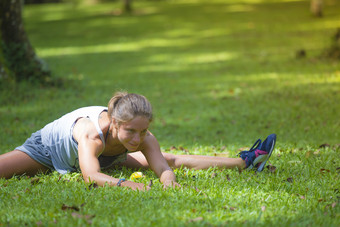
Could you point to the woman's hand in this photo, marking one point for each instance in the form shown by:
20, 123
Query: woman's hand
135, 186
171, 184
157, 162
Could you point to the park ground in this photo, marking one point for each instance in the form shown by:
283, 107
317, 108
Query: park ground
220, 75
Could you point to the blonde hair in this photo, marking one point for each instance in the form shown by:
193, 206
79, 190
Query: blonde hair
124, 107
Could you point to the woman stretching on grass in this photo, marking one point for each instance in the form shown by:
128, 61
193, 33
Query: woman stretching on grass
96, 137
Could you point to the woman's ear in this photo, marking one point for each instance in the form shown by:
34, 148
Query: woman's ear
115, 123
114, 127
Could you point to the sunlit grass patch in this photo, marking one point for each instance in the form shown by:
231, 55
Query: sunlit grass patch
302, 193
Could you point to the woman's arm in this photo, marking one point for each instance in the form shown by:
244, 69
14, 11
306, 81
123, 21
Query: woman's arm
152, 153
90, 147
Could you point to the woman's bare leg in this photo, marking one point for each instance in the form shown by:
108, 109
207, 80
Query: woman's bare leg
17, 163
203, 161
137, 160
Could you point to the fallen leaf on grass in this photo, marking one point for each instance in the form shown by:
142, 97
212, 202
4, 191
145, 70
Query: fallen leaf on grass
229, 208
65, 207
330, 205
196, 219
324, 170
183, 149
232, 208
324, 145
290, 179
271, 168
93, 185
302, 197
35, 180
173, 148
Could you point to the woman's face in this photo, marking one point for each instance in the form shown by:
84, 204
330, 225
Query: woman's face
132, 133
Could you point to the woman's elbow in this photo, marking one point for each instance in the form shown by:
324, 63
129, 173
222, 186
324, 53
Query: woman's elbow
89, 177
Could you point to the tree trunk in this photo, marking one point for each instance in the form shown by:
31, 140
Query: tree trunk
18, 60
316, 7
127, 6
334, 51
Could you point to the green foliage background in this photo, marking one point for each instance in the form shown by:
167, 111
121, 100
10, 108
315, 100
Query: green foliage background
220, 74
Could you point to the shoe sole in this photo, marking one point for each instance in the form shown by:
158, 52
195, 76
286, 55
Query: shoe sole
259, 159
261, 167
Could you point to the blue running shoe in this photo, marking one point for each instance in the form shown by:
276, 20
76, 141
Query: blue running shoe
259, 153
267, 146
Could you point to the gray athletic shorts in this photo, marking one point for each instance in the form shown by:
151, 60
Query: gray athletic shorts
37, 151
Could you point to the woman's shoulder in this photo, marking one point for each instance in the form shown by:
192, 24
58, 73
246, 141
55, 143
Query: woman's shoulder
85, 128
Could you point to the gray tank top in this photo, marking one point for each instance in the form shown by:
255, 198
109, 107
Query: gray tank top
57, 137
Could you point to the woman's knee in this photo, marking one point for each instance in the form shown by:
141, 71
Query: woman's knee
171, 159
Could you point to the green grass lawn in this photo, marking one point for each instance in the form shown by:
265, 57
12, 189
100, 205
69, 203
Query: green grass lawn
220, 75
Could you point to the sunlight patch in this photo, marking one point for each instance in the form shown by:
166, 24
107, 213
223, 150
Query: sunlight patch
239, 8
210, 58
117, 47
88, 49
